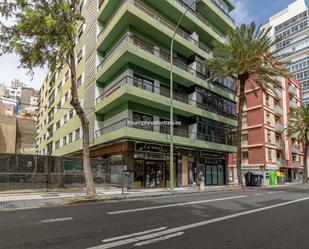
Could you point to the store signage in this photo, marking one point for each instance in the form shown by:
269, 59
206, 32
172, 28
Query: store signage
271, 167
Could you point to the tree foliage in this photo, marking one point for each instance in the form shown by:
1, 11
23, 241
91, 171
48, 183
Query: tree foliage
40, 32
249, 51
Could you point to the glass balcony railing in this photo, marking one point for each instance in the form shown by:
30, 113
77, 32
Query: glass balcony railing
130, 39
157, 17
295, 148
223, 8
278, 93
279, 127
281, 162
293, 104
296, 164
202, 19
279, 145
292, 90
128, 80
223, 135
278, 110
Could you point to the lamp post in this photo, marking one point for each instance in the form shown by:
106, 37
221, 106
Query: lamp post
171, 98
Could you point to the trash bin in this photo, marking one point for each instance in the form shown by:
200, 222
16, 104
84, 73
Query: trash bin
280, 178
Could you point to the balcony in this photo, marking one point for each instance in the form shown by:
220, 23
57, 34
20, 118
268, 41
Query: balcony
129, 40
147, 86
222, 140
278, 110
279, 127
292, 90
279, 145
296, 149
296, 164
156, 20
281, 162
293, 104
278, 93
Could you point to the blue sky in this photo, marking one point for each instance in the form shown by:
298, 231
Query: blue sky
257, 10
245, 11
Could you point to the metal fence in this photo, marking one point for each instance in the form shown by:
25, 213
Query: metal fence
22, 172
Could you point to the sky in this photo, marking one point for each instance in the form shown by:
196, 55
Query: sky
245, 11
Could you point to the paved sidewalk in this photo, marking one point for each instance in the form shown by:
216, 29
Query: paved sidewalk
34, 199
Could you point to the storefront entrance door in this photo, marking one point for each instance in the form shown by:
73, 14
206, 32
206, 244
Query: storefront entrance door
155, 174
214, 174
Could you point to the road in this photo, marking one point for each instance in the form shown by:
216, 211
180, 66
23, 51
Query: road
252, 218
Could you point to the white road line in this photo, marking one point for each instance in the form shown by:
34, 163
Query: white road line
134, 234
57, 220
257, 194
174, 205
193, 225
159, 239
270, 192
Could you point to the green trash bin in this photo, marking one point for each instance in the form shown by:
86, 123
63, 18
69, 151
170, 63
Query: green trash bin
272, 178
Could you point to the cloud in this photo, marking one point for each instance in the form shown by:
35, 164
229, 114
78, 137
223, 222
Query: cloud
241, 13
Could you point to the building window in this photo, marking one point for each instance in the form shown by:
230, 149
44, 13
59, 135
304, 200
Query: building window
267, 99
80, 31
269, 155
67, 76
58, 125
269, 136
244, 155
64, 141
71, 114
70, 137
65, 119
79, 82
80, 56
66, 97
142, 121
57, 145
58, 106
77, 134
59, 87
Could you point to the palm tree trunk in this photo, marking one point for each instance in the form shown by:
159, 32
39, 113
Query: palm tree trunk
305, 180
90, 188
242, 82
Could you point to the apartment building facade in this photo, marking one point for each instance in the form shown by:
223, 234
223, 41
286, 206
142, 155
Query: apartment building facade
123, 77
291, 25
265, 146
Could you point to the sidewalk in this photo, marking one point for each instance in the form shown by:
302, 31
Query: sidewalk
34, 199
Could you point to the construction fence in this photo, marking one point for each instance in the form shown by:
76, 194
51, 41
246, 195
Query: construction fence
22, 172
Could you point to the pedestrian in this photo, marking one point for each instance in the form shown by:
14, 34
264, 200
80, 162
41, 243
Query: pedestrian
201, 180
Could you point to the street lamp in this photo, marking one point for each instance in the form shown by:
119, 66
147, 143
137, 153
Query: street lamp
171, 98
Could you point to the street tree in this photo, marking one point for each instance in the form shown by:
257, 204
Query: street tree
247, 55
298, 128
44, 33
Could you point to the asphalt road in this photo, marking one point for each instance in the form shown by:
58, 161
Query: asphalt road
276, 218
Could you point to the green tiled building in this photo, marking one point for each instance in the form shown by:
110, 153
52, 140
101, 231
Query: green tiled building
123, 71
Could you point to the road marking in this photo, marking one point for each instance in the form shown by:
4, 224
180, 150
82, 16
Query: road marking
174, 205
257, 194
193, 225
134, 234
270, 192
159, 239
57, 220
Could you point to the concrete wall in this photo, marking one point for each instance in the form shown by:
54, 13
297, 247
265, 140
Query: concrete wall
26, 136
7, 134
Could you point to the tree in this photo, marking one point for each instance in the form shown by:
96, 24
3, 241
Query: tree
43, 33
248, 56
298, 128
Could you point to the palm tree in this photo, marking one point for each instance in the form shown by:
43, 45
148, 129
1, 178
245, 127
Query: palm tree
298, 128
248, 56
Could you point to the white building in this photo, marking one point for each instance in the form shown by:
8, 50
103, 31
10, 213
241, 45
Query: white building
292, 26
14, 92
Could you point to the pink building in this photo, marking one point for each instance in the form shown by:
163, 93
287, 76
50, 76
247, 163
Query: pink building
265, 146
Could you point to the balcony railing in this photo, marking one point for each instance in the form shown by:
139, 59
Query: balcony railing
157, 17
201, 18
297, 164
278, 110
279, 127
223, 11
278, 93
295, 148
279, 145
292, 90
293, 104
130, 39
224, 136
212, 107
281, 162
